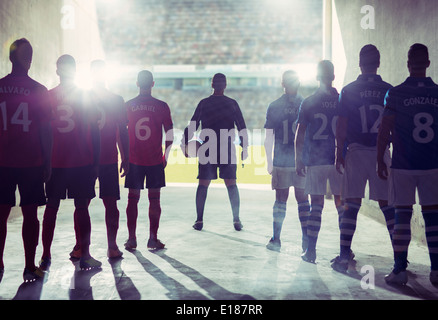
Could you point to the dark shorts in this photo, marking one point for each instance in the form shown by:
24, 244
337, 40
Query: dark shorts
30, 186
109, 185
71, 183
154, 175
209, 171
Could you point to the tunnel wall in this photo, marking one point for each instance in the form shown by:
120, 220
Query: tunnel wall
396, 26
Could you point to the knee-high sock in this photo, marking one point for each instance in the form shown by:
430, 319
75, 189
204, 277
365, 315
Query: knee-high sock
303, 215
340, 210
83, 221
348, 227
201, 196
401, 238
279, 213
154, 214
233, 194
30, 234
389, 214
112, 216
314, 225
49, 222
132, 214
5, 210
431, 222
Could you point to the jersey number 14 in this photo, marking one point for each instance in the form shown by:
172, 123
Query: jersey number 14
20, 116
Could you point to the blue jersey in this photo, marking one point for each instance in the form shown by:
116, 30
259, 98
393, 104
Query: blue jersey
414, 104
319, 113
361, 102
281, 116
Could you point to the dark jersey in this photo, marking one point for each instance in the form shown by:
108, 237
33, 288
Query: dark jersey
361, 102
319, 113
218, 116
414, 103
281, 116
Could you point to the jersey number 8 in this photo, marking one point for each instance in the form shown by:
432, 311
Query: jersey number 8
423, 132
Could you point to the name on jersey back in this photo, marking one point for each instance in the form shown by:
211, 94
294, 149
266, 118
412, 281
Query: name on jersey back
370, 94
143, 108
15, 90
420, 100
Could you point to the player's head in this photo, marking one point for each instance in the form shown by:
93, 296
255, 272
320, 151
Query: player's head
290, 81
20, 53
418, 58
145, 80
325, 71
98, 71
369, 59
219, 82
66, 67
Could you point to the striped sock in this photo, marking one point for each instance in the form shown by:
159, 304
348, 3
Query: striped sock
348, 227
431, 222
279, 213
314, 225
389, 214
401, 238
303, 215
340, 210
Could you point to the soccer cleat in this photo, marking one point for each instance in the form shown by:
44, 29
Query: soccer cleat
340, 265
309, 256
274, 245
304, 243
2, 272
88, 264
238, 225
155, 244
131, 244
114, 253
45, 264
32, 276
400, 278
433, 277
198, 225
76, 253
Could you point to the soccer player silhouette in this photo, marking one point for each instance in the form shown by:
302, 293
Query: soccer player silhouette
361, 108
25, 151
147, 118
75, 161
315, 151
410, 123
218, 115
280, 126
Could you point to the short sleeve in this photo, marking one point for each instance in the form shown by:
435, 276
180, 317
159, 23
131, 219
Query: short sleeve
389, 103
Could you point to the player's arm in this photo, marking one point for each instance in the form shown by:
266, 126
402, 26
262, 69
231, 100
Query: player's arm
194, 123
383, 138
341, 134
95, 142
299, 144
269, 147
123, 140
169, 137
46, 137
243, 132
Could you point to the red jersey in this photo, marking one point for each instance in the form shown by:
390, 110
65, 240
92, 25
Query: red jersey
112, 113
73, 116
23, 108
147, 117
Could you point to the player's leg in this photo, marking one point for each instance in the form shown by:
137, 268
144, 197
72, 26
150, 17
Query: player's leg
154, 218
131, 217
83, 221
303, 214
278, 214
233, 195
389, 214
313, 227
8, 185
206, 173
430, 215
5, 210
134, 181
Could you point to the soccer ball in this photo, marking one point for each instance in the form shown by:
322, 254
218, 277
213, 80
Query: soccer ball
191, 149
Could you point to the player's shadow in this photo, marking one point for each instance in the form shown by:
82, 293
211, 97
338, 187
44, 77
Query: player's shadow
125, 286
176, 291
80, 287
412, 289
212, 288
245, 241
29, 291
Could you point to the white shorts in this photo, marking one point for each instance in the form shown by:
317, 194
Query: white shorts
317, 177
360, 168
403, 185
284, 178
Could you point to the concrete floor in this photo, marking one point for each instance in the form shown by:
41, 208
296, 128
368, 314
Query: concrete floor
217, 263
